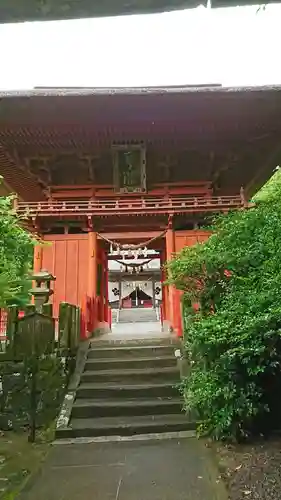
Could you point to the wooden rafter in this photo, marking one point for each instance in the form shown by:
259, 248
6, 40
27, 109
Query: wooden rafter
24, 165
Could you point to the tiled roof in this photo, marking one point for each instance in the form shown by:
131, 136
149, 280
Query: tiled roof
81, 118
49, 121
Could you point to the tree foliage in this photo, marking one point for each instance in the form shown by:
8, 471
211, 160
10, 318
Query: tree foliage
15, 255
234, 340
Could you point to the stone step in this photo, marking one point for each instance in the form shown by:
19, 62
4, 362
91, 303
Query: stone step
125, 342
125, 363
128, 388
94, 408
126, 426
129, 320
132, 375
137, 315
110, 390
131, 351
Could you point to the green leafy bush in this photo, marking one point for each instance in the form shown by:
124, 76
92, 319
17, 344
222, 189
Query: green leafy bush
234, 340
16, 247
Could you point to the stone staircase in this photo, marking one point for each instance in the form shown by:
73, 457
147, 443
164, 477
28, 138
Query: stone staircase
114, 315
128, 388
137, 315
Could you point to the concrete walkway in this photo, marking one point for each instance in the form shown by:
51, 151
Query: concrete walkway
135, 331
176, 468
167, 469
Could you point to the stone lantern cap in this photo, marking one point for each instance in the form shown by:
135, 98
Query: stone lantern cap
42, 276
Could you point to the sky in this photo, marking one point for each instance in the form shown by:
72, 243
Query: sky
237, 46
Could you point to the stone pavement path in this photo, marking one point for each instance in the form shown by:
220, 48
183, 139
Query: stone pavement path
169, 469
136, 331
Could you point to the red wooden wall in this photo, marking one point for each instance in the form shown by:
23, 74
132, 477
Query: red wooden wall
183, 239
189, 238
66, 256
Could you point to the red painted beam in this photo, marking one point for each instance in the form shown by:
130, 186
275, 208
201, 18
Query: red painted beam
141, 206
131, 236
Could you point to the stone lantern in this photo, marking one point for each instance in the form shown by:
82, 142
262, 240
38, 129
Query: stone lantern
42, 290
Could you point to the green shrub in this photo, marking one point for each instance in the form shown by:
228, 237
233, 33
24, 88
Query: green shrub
16, 252
234, 341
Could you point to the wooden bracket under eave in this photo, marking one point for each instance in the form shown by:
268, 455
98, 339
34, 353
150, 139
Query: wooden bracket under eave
244, 202
170, 221
90, 223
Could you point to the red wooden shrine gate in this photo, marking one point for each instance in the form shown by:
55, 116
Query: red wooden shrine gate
130, 164
81, 268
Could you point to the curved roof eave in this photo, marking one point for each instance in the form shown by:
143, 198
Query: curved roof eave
47, 10
61, 92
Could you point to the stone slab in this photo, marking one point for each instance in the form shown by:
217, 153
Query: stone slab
170, 469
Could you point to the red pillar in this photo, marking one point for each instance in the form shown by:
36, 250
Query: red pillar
37, 262
106, 304
93, 264
178, 323
170, 250
164, 287
37, 259
166, 301
101, 294
92, 280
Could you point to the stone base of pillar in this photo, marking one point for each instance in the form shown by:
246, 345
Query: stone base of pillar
102, 328
166, 326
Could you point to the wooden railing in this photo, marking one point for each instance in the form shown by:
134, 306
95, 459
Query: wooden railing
143, 205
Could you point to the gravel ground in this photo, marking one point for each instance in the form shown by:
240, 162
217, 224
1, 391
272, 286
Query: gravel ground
252, 472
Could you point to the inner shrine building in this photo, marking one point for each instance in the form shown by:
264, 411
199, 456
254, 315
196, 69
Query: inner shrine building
129, 172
